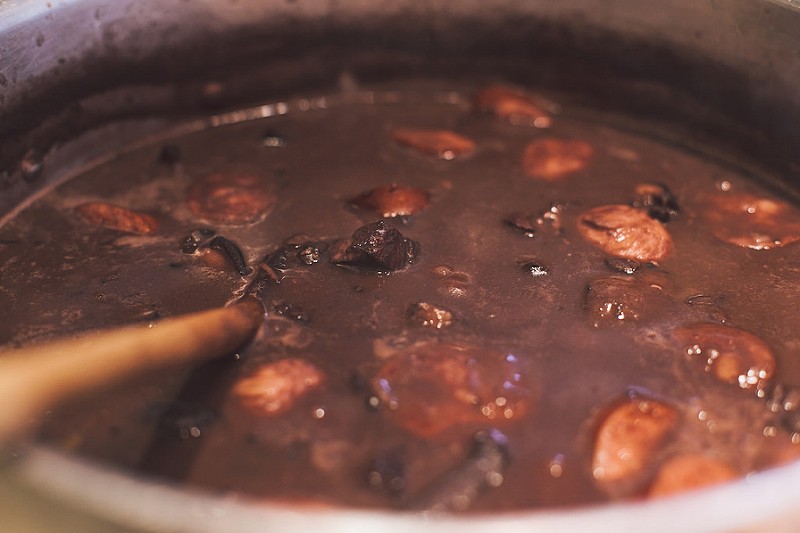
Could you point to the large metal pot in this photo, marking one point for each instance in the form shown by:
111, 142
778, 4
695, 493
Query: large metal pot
77, 76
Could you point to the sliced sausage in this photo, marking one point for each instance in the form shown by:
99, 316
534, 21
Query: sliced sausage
393, 200
625, 232
116, 217
732, 355
629, 437
431, 387
688, 472
445, 144
514, 105
753, 222
554, 159
275, 387
231, 199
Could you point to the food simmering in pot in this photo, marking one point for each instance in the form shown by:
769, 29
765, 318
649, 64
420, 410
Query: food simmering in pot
474, 303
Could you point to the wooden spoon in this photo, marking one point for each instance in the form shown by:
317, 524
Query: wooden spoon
34, 378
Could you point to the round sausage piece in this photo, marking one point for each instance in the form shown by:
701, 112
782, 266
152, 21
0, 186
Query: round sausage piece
116, 217
753, 222
514, 105
732, 355
275, 387
231, 199
444, 144
393, 200
625, 232
688, 472
629, 437
431, 387
554, 159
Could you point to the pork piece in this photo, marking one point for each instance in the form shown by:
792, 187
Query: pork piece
275, 387
431, 387
625, 232
444, 144
461, 486
231, 199
688, 472
629, 438
730, 354
378, 247
394, 200
427, 315
620, 300
118, 218
514, 105
657, 200
753, 222
554, 159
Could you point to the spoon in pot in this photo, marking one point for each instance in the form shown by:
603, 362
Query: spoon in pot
34, 378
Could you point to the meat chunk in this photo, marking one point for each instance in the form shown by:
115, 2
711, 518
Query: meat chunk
394, 200
657, 200
514, 105
445, 144
431, 387
732, 355
625, 232
619, 300
629, 437
231, 199
688, 472
275, 387
753, 222
118, 218
377, 246
428, 315
554, 159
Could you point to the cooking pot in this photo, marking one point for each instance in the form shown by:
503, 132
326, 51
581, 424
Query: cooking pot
80, 77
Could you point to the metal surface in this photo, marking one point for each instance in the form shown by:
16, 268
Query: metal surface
71, 71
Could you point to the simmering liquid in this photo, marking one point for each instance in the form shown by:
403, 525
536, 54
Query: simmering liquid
571, 310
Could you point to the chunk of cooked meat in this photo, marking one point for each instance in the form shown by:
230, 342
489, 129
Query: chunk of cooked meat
116, 217
553, 159
275, 387
514, 105
657, 200
394, 200
753, 222
688, 472
629, 437
378, 247
732, 355
231, 199
431, 387
625, 232
445, 144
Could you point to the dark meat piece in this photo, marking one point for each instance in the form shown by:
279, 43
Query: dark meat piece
689, 472
377, 246
657, 200
514, 105
196, 240
204, 239
629, 437
116, 217
526, 223
732, 355
616, 300
432, 387
393, 200
441, 143
458, 489
753, 222
429, 316
275, 387
623, 266
554, 159
625, 232
231, 252
231, 199
294, 254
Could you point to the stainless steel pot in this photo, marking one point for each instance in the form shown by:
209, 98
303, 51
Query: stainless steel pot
713, 73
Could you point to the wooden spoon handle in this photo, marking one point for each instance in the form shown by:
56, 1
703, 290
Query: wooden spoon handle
32, 379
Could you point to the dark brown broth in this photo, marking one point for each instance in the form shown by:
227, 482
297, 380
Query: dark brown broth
60, 275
